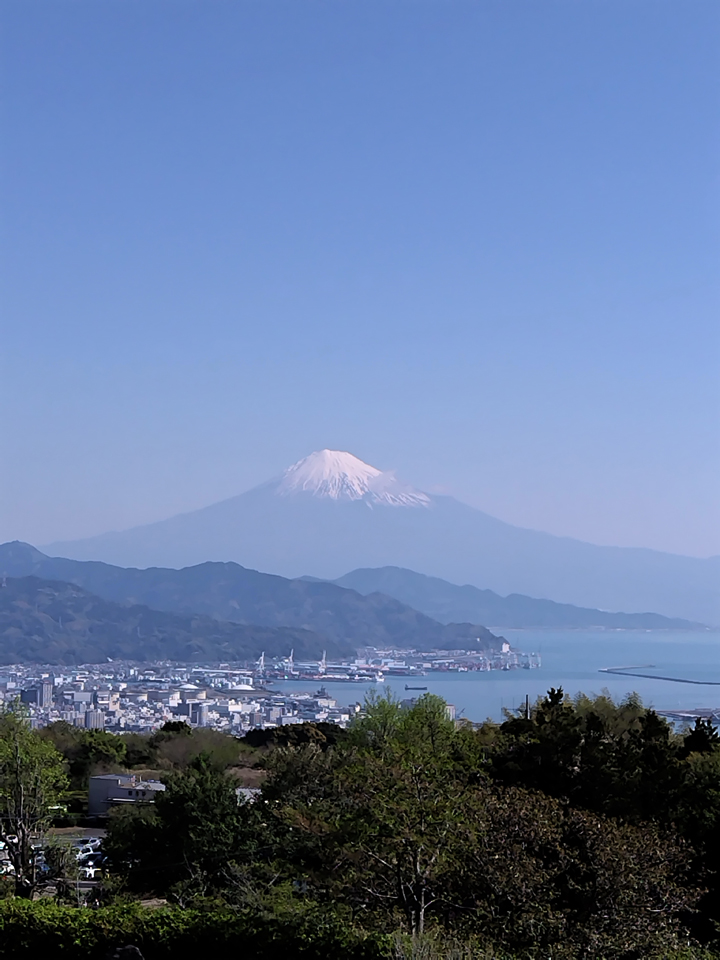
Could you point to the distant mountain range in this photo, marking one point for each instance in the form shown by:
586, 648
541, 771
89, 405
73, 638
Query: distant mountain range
338, 617
48, 621
331, 512
91, 610
447, 602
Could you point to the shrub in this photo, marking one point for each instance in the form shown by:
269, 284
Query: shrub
43, 928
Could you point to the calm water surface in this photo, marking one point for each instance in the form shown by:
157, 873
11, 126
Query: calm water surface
571, 659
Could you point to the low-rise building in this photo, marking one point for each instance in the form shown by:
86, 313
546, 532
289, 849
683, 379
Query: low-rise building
115, 789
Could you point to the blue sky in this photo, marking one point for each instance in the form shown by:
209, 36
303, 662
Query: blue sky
476, 242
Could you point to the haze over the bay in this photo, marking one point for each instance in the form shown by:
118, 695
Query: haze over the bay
472, 243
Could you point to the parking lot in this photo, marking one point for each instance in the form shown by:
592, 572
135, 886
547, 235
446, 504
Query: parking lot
80, 867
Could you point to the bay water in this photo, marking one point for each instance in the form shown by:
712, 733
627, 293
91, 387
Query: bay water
573, 660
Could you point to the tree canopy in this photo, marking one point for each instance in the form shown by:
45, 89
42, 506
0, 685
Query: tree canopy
413, 819
31, 780
581, 828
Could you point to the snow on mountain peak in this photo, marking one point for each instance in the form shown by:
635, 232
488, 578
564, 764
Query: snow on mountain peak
330, 473
338, 475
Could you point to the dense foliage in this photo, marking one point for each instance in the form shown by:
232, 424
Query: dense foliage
46, 929
563, 834
623, 761
585, 829
173, 747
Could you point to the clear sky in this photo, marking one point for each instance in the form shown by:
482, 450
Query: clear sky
476, 242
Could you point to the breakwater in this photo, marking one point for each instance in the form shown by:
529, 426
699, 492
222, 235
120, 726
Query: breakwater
631, 672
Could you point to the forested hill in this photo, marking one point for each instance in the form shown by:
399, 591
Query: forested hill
48, 621
449, 602
227, 591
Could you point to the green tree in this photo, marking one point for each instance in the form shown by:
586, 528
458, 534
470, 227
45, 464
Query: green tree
177, 749
324, 734
697, 815
410, 819
174, 726
403, 818
192, 841
702, 738
139, 750
380, 812
31, 780
543, 879
616, 759
85, 751
62, 869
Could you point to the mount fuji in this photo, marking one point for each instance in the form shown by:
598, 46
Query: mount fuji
331, 512
336, 475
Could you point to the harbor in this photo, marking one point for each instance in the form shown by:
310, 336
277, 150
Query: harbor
378, 666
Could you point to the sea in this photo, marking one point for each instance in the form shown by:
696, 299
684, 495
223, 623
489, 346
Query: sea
573, 660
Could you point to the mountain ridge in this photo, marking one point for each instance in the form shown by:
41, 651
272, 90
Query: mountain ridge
229, 592
51, 621
297, 533
445, 602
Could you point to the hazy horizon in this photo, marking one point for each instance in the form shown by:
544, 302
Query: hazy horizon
472, 242
202, 506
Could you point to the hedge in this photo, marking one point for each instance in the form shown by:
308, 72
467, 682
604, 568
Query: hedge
45, 928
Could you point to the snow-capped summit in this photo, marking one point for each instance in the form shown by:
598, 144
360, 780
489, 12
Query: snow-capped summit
338, 475
316, 519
